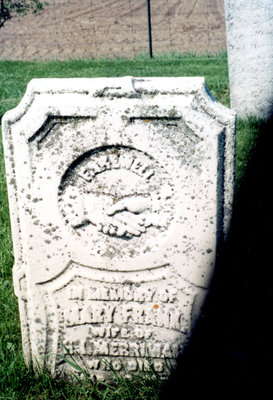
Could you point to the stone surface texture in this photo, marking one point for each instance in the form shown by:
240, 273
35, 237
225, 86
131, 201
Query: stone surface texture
249, 31
120, 191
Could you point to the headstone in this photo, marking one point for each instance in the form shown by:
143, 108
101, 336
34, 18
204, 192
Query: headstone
249, 29
120, 191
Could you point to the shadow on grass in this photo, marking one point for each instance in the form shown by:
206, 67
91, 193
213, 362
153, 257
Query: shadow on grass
232, 346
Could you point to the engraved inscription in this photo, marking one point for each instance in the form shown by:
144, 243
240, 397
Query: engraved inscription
122, 304
120, 193
119, 293
122, 348
137, 314
123, 323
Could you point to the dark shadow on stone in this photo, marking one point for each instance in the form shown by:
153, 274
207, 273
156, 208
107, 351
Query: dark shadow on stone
232, 346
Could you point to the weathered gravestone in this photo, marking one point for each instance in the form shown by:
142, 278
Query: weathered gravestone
249, 27
120, 191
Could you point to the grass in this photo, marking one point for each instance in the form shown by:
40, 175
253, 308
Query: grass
16, 382
14, 76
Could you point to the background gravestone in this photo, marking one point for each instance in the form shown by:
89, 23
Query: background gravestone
249, 27
120, 191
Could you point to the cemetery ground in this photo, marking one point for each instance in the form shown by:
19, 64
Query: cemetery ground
232, 343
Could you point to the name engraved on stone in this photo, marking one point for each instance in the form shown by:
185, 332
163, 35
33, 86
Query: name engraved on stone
122, 321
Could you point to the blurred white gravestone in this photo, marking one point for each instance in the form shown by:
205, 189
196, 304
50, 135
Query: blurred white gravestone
249, 29
120, 190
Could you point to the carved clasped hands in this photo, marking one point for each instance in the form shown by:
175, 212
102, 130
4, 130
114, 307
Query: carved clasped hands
122, 218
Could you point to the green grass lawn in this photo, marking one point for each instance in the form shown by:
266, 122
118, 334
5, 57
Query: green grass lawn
15, 381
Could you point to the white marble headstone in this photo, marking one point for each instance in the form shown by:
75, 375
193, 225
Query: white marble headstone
120, 190
249, 27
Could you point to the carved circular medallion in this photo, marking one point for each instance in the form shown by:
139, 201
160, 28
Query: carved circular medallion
118, 200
